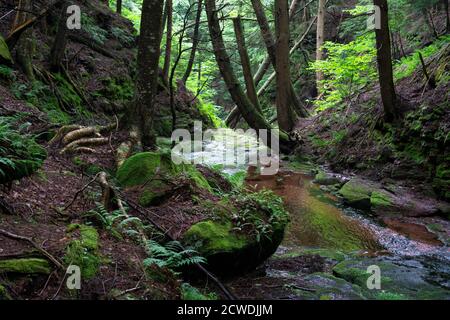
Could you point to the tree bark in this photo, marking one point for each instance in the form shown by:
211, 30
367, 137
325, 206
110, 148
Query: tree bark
246, 65
247, 109
119, 6
168, 52
286, 116
25, 47
195, 41
384, 59
147, 71
59, 44
269, 41
320, 40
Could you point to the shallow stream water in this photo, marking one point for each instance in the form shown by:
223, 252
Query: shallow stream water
319, 222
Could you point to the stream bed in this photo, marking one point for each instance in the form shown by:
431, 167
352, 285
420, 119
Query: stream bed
331, 251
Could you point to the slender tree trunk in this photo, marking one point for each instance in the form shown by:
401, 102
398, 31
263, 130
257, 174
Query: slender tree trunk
320, 40
384, 59
269, 41
168, 52
199, 77
246, 65
147, 71
286, 116
447, 15
119, 6
195, 41
59, 44
25, 46
247, 109
233, 117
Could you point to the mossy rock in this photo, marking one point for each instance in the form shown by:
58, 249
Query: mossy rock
330, 254
25, 266
325, 286
356, 193
155, 172
4, 51
227, 251
400, 278
83, 252
326, 179
4, 295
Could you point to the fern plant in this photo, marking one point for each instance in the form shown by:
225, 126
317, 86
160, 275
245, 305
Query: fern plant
171, 255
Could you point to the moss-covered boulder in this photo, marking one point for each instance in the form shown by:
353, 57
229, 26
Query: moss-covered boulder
25, 266
356, 193
241, 235
326, 179
154, 175
5, 55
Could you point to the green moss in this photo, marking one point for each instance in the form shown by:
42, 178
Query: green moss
156, 171
212, 237
25, 266
4, 50
4, 295
355, 273
83, 252
356, 194
380, 199
324, 253
325, 179
189, 292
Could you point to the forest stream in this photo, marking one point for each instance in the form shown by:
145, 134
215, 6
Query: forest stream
324, 232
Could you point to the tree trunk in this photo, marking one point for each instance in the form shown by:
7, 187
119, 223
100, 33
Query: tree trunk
246, 65
269, 41
168, 52
320, 41
25, 47
147, 71
384, 59
59, 44
119, 6
195, 41
447, 15
254, 119
286, 116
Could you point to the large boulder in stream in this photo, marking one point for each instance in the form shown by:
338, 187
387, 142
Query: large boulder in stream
234, 230
243, 232
389, 201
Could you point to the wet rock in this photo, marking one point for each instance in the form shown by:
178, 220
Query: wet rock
326, 179
400, 277
324, 286
356, 193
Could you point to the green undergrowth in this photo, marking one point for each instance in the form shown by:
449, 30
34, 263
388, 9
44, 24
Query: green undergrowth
83, 251
20, 154
189, 292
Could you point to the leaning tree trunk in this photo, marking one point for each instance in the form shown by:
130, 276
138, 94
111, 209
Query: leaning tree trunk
269, 41
119, 6
286, 116
147, 71
320, 41
195, 41
246, 65
168, 52
254, 119
59, 44
384, 59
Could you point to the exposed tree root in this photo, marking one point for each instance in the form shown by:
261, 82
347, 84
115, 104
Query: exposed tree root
125, 148
79, 139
